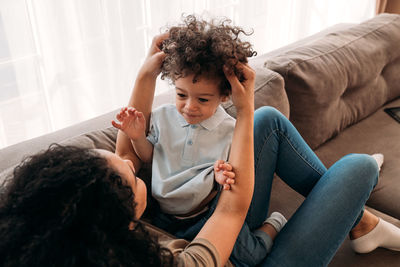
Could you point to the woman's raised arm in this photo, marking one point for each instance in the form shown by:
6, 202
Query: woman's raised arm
142, 96
223, 227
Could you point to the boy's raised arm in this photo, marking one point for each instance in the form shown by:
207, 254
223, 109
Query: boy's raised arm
142, 96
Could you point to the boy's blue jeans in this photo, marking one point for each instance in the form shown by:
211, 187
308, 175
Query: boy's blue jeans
334, 203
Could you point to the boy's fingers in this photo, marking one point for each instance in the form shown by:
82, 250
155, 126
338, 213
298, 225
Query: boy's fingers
227, 187
229, 174
140, 116
217, 164
227, 166
123, 114
115, 124
230, 181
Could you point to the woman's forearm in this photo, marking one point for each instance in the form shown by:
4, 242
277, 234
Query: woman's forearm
142, 95
223, 227
242, 160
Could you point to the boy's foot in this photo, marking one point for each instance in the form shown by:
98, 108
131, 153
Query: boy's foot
385, 235
379, 159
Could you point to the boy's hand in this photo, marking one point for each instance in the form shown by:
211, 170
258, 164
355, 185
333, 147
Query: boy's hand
223, 174
132, 122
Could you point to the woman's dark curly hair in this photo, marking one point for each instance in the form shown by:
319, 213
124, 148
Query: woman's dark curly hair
202, 48
66, 207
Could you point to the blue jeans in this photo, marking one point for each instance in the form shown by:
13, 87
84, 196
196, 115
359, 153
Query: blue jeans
334, 201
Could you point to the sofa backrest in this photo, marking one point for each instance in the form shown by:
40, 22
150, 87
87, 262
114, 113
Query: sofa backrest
269, 90
336, 80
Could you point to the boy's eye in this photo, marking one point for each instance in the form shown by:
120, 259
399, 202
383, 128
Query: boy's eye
180, 95
203, 100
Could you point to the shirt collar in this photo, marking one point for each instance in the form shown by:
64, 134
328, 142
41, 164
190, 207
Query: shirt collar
210, 123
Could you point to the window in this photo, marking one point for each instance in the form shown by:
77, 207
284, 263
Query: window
62, 62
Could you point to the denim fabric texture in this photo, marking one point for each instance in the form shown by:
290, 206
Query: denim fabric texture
334, 203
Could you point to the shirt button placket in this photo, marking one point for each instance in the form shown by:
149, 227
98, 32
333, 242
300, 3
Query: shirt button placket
191, 132
188, 150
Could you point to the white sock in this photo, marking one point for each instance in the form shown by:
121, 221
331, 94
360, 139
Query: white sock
385, 235
277, 220
379, 159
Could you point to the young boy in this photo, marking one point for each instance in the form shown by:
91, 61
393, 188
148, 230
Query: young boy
189, 142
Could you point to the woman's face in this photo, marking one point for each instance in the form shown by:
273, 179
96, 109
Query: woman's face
126, 170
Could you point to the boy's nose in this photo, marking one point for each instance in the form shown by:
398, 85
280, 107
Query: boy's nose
191, 105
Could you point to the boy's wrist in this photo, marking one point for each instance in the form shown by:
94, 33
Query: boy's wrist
139, 138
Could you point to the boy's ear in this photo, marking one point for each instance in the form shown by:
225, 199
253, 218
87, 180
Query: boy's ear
224, 98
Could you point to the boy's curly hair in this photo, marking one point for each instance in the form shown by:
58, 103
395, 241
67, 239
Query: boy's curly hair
202, 48
66, 207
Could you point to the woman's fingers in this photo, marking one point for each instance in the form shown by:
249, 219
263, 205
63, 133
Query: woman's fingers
231, 77
157, 42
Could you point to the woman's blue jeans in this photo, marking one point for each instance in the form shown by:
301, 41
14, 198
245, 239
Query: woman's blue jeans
334, 202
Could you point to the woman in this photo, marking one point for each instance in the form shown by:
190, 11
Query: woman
279, 148
70, 206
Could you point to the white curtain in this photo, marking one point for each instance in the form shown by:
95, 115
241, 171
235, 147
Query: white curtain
65, 61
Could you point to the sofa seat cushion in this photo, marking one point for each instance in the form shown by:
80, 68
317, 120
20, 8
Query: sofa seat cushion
378, 133
338, 79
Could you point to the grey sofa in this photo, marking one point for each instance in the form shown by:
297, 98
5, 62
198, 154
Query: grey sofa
333, 86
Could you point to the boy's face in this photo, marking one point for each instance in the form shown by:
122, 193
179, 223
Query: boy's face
198, 101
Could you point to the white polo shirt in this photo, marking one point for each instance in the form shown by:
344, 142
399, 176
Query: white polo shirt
184, 155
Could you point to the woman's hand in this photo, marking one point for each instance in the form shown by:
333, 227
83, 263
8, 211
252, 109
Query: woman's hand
155, 57
242, 92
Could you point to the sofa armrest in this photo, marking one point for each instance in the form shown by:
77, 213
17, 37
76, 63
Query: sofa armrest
341, 77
